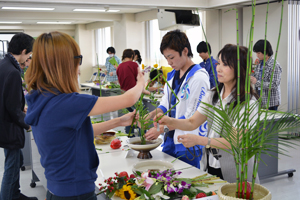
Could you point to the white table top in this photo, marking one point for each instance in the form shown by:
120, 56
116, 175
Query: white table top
116, 161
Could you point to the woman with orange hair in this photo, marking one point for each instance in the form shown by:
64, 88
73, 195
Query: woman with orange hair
60, 116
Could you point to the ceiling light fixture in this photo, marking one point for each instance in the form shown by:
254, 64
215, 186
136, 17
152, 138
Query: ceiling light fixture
113, 11
25, 8
88, 10
10, 22
54, 22
106, 9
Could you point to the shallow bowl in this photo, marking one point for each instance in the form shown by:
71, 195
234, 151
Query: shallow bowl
152, 165
105, 138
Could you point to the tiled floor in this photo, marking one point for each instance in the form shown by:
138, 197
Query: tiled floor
282, 187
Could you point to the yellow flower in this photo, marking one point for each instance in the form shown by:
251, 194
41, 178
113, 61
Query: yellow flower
119, 192
127, 193
143, 66
155, 65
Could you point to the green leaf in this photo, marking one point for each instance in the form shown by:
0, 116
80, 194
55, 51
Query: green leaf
156, 188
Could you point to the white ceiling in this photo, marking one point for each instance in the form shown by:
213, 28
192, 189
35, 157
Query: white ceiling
64, 8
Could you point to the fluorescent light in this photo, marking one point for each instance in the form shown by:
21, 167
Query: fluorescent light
10, 22
54, 22
113, 11
25, 8
88, 10
94, 10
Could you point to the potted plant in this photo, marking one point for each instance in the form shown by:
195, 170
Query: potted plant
247, 140
144, 123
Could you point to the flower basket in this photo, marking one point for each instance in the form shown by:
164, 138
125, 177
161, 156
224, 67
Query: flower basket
227, 192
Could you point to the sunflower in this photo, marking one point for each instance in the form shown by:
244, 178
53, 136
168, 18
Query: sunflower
119, 192
127, 193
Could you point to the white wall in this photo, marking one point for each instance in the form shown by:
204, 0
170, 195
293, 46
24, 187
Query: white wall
272, 37
213, 30
129, 34
86, 41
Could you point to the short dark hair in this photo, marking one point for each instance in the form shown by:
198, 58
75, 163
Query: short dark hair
202, 48
128, 53
177, 41
154, 73
19, 42
139, 58
260, 45
111, 49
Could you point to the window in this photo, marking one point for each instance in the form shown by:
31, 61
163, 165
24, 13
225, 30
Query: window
154, 37
4, 39
103, 41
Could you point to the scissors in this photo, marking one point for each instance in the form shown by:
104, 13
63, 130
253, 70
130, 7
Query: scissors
194, 153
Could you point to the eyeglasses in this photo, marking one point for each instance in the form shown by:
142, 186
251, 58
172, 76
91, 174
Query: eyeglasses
80, 56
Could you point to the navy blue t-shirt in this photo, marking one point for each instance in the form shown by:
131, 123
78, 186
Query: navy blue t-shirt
64, 136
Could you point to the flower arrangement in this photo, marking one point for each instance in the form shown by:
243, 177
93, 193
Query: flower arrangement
143, 122
156, 185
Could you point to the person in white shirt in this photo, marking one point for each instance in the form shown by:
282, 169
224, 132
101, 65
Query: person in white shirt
189, 82
224, 166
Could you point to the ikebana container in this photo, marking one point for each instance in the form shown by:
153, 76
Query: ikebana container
228, 191
144, 149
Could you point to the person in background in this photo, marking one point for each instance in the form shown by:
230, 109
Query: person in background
223, 166
208, 62
158, 83
127, 72
111, 69
12, 125
275, 98
60, 117
190, 82
137, 57
25, 65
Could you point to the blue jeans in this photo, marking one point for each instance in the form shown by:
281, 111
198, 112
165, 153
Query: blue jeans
10, 187
273, 108
88, 196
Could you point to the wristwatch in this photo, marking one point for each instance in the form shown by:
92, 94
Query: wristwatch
166, 129
208, 143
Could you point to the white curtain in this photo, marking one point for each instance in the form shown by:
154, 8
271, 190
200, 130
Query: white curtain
293, 56
103, 41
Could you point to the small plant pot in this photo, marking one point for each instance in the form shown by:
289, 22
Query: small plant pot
227, 192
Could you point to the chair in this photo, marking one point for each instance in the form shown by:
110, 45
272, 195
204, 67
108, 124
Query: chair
93, 77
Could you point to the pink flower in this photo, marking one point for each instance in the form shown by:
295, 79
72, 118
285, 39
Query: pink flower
185, 197
145, 181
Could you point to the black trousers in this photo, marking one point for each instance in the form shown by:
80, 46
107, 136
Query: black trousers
214, 171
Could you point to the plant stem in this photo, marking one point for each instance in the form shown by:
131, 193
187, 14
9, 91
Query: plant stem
269, 92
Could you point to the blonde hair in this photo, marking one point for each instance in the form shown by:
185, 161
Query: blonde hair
53, 66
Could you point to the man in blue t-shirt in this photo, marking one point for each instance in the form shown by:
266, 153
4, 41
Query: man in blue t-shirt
207, 63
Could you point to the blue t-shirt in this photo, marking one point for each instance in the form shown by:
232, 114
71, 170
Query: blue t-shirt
207, 66
64, 136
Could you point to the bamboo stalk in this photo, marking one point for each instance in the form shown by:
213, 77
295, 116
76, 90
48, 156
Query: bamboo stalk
257, 158
236, 154
269, 92
245, 155
99, 81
